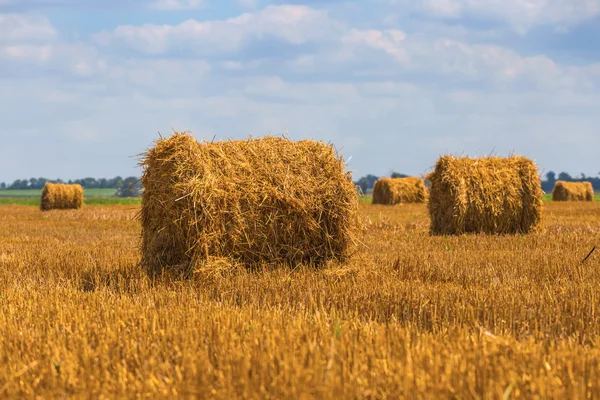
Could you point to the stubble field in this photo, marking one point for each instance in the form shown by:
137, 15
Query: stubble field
410, 316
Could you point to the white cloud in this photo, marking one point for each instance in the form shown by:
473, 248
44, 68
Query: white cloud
31, 40
294, 24
446, 8
21, 27
367, 90
389, 41
75, 59
160, 77
178, 4
369, 120
369, 51
107, 5
26, 52
444, 59
248, 4
521, 14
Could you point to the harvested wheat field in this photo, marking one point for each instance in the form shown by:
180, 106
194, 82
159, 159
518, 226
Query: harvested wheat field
392, 191
411, 316
573, 191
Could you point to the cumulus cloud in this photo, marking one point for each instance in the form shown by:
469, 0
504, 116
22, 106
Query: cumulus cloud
459, 62
163, 5
248, 4
388, 41
32, 41
339, 47
367, 89
293, 24
74, 60
20, 27
26, 52
521, 14
177, 4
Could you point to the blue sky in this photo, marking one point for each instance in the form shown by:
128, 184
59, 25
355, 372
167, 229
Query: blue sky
86, 85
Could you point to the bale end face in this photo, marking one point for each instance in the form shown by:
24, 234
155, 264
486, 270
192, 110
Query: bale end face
490, 195
256, 201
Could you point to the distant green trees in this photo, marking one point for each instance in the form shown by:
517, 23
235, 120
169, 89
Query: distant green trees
550, 181
19, 184
125, 187
367, 182
129, 187
551, 178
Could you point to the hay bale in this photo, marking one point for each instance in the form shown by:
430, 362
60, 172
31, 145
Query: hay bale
58, 196
391, 191
485, 195
573, 191
256, 201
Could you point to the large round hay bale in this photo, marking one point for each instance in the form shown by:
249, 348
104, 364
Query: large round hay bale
391, 191
485, 195
256, 201
58, 196
573, 191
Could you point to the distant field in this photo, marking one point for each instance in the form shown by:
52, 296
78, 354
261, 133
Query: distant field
37, 193
548, 197
91, 197
90, 201
105, 197
97, 201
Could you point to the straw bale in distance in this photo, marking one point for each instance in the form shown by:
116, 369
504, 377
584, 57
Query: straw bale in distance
573, 191
59, 196
391, 191
257, 201
490, 195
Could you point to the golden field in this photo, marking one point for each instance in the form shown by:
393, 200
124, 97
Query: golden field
410, 316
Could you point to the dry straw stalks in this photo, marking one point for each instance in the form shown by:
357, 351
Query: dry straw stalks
573, 191
391, 191
485, 195
58, 196
251, 202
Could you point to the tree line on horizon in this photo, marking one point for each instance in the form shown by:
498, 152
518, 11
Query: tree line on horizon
367, 182
124, 187
131, 187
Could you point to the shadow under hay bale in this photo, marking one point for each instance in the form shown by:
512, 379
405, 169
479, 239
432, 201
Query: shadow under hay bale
251, 202
573, 191
490, 195
391, 191
58, 196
